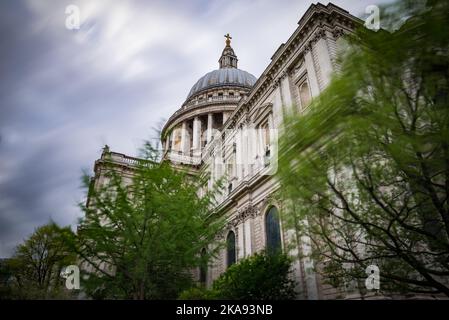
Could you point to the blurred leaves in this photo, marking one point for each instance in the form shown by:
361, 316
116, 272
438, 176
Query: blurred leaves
143, 232
259, 277
34, 270
365, 171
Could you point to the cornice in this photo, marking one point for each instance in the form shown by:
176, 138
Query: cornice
312, 26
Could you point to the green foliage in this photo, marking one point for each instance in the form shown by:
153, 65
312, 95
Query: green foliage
6, 274
198, 293
259, 277
34, 270
366, 169
141, 236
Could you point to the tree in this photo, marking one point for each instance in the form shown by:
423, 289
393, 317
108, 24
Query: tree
366, 171
6, 275
35, 268
141, 239
260, 277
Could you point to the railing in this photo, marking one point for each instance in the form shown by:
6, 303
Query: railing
196, 103
212, 99
124, 159
184, 158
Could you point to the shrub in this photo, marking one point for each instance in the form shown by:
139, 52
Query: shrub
197, 293
259, 277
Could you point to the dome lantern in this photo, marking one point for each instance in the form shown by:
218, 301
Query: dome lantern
227, 76
228, 58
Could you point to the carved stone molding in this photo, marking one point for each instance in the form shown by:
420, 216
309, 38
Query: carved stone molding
337, 33
277, 82
269, 201
248, 212
320, 34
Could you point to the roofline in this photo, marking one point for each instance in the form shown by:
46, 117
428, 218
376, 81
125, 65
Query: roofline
305, 19
189, 96
313, 9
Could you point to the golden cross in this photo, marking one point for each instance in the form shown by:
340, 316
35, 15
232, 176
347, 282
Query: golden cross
228, 39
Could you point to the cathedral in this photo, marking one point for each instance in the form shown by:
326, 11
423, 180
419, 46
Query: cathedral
227, 129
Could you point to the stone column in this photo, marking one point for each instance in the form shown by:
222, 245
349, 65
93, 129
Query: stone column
196, 141
240, 242
225, 116
167, 143
245, 155
184, 139
252, 148
311, 73
248, 237
284, 88
324, 61
271, 127
210, 123
260, 144
238, 156
172, 144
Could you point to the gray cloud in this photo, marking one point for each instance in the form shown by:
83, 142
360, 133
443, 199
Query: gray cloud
64, 94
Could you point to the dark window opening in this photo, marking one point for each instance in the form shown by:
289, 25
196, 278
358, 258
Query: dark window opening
203, 267
230, 248
273, 231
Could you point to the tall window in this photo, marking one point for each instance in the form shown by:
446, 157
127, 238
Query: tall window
265, 136
273, 231
304, 94
230, 249
230, 167
203, 267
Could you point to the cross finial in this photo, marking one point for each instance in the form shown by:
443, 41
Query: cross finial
228, 39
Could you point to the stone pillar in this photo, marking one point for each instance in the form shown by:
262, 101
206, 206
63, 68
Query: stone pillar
311, 74
248, 237
260, 145
284, 90
196, 142
172, 145
238, 156
271, 127
184, 139
167, 143
240, 242
324, 61
252, 148
225, 116
245, 154
210, 123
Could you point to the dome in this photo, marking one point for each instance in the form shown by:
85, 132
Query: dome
223, 77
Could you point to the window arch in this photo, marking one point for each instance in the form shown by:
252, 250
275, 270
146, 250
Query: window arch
230, 248
273, 231
203, 267
304, 94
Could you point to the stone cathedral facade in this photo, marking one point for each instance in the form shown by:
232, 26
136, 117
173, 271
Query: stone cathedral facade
227, 129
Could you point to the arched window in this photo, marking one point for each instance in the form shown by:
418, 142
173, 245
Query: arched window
273, 231
230, 248
203, 267
304, 94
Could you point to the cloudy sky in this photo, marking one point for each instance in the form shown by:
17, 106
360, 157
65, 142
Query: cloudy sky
65, 93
